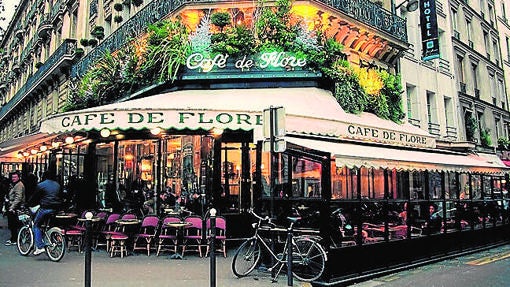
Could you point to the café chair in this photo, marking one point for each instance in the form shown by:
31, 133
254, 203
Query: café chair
119, 237
108, 229
221, 234
168, 235
147, 232
75, 233
192, 235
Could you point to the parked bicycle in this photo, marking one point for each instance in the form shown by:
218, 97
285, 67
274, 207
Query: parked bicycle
53, 237
308, 256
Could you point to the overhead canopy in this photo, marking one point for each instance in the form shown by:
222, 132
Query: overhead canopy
10, 147
357, 155
308, 111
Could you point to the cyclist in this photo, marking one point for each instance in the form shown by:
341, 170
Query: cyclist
47, 194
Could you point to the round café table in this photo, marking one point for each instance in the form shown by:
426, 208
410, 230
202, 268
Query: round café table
179, 226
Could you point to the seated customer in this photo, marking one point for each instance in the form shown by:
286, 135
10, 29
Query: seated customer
434, 222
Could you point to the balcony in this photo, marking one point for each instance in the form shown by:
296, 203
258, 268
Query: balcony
59, 60
414, 122
45, 27
477, 93
451, 133
434, 129
363, 11
444, 65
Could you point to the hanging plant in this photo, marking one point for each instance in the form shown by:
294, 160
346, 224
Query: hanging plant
118, 19
118, 7
503, 143
79, 52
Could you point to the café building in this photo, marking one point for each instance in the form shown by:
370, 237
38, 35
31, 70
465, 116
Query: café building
366, 185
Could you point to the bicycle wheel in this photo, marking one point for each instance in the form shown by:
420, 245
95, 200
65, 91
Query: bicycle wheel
57, 244
308, 259
25, 241
246, 258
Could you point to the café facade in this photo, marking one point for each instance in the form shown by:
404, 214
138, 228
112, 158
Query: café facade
363, 183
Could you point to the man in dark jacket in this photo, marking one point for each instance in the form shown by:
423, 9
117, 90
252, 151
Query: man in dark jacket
48, 193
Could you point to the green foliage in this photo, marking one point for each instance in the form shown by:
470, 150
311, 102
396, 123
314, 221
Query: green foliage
137, 3
392, 92
503, 143
237, 40
168, 48
347, 89
272, 31
485, 137
221, 19
118, 19
84, 42
471, 127
93, 42
118, 7
97, 32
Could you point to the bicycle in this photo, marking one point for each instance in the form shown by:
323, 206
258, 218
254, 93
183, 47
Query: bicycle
53, 236
308, 256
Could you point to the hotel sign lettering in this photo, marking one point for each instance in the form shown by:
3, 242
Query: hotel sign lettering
388, 136
163, 118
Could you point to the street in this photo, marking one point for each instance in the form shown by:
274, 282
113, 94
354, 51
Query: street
134, 270
488, 268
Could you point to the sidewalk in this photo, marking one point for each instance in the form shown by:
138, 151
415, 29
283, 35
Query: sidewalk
135, 270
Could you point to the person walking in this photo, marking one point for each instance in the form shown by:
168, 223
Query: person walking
16, 200
47, 195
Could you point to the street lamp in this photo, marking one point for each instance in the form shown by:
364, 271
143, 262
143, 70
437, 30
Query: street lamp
411, 6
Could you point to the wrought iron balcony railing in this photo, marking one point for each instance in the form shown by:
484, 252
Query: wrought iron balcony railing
66, 50
434, 129
451, 133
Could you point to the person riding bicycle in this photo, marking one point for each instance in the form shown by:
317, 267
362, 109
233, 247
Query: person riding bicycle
47, 194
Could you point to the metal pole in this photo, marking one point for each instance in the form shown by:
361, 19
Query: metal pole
88, 255
289, 257
212, 247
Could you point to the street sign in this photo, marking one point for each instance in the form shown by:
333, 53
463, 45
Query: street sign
273, 120
280, 145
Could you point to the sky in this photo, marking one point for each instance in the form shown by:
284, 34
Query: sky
9, 10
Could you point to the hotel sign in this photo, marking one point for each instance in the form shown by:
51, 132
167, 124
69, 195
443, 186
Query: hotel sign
429, 34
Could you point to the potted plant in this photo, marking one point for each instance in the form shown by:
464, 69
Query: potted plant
117, 19
471, 127
97, 32
137, 3
93, 42
503, 143
221, 19
79, 52
118, 7
84, 42
38, 65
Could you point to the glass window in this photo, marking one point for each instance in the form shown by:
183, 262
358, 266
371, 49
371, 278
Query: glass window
306, 178
435, 185
344, 183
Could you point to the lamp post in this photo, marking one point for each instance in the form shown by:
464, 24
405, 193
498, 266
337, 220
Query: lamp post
411, 6
212, 245
88, 255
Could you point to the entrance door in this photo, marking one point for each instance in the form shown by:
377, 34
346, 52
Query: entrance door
236, 175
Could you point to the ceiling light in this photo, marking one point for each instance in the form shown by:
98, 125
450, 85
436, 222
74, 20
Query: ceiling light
105, 132
69, 140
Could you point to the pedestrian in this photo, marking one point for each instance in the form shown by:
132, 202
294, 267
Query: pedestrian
47, 195
16, 201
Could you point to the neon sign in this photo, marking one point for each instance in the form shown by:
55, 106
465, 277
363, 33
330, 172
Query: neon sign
263, 61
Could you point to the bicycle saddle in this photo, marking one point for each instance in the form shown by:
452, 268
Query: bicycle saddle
294, 219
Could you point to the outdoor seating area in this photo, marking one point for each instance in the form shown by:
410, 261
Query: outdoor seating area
125, 234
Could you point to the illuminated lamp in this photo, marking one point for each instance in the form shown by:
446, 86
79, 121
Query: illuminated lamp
43, 148
19, 155
69, 140
25, 153
105, 132
60, 155
412, 5
156, 131
33, 151
55, 144
216, 131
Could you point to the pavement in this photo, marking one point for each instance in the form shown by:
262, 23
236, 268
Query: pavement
138, 269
